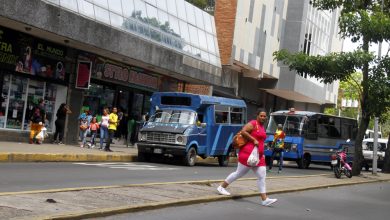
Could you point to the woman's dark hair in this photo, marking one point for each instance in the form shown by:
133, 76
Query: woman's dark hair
260, 110
61, 109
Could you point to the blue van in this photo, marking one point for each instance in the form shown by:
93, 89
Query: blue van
188, 125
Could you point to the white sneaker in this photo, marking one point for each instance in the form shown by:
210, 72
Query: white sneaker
93, 146
223, 191
268, 202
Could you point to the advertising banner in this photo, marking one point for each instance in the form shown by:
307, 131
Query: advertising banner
25, 54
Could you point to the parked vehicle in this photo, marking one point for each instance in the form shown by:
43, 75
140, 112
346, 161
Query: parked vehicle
188, 125
311, 137
368, 146
340, 164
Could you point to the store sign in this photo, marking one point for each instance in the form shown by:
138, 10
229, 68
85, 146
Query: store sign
113, 71
26, 54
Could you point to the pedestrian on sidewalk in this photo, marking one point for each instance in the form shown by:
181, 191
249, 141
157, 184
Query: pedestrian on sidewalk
112, 126
93, 127
278, 147
83, 125
37, 121
104, 127
254, 132
62, 111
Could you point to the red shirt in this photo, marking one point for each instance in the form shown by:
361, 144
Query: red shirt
94, 126
259, 134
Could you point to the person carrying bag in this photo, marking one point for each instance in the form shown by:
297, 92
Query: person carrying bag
251, 157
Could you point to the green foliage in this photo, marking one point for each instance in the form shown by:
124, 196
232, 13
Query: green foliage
198, 3
362, 21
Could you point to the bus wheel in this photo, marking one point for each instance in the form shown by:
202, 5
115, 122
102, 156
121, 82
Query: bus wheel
190, 157
223, 160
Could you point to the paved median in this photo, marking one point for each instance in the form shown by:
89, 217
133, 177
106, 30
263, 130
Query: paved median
92, 202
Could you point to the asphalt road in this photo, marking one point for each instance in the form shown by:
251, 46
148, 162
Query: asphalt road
357, 202
41, 176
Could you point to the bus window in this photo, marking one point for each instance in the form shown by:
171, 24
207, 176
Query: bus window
292, 125
274, 121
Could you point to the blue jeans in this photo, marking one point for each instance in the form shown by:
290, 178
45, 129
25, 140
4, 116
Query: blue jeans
281, 154
83, 135
103, 135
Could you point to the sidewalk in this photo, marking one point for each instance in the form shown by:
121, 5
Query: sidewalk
24, 152
96, 202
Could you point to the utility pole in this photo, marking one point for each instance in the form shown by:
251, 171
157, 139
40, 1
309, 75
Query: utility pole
375, 148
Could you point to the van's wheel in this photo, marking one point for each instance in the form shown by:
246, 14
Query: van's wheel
223, 160
304, 162
143, 157
190, 157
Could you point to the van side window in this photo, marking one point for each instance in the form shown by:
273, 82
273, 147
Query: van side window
236, 115
221, 114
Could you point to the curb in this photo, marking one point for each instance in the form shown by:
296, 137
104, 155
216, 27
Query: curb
45, 157
182, 202
39, 157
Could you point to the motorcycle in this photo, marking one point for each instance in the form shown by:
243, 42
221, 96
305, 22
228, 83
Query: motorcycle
340, 164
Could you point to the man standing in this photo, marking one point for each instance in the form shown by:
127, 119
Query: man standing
278, 147
112, 126
37, 121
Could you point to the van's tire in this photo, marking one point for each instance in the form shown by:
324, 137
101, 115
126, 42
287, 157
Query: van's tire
304, 162
190, 157
223, 160
143, 157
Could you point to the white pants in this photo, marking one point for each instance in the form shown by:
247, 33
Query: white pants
260, 173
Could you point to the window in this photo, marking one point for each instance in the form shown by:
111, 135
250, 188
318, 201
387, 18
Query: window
221, 114
236, 115
329, 127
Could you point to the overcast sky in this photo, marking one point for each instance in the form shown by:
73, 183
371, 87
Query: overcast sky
349, 46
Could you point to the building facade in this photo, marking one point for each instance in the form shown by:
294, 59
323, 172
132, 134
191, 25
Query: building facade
250, 31
93, 54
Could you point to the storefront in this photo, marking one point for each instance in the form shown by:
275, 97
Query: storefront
114, 84
30, 69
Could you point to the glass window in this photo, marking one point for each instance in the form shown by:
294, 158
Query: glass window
86, 8
129, 24
4, 99
190, 13
101, 3
193, 35
210, 43
216, 46
199, 18
140, 9
115, 6
16, 100
162, 4
202, 39
171, 4
204, 55
152, 12
163, 18
153, 2
221, 114
128, 8
174, 25
69, 4
181, 9
184, 31
102, 15
213, 59
213, 26
207, 22
116, 20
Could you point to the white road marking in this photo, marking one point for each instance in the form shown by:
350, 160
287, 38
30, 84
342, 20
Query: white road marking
127, 166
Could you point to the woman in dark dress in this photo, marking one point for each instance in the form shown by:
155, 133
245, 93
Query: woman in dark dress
60, 123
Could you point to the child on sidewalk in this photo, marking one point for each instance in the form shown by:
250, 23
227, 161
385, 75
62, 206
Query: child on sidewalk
93, 127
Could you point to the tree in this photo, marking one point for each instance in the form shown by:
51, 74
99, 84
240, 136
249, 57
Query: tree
349, 89
362, 21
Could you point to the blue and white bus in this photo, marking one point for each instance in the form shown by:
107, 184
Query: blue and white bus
311, 137
189, 125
